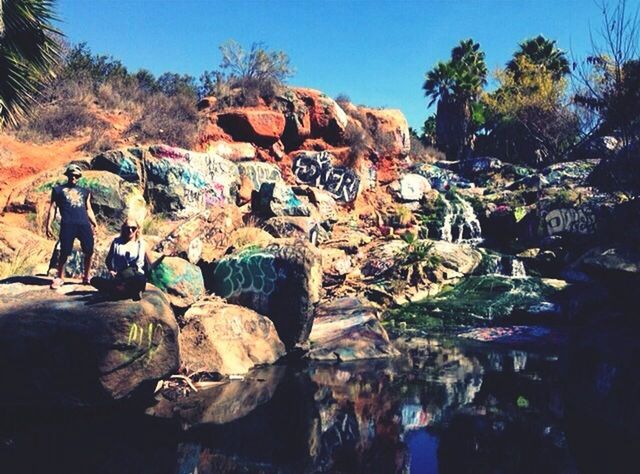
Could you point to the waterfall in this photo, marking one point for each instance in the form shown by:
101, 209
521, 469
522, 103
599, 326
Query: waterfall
459, 214
517, 268
505, 265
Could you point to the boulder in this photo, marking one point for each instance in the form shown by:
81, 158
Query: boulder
204, 236
390, 128
183, 182
439, 178
227, 339
298, 118
348, 329
621, 173
412, 187
306, 228
260, 126
22, 251
72, 347
125, 162
328, 120
180, 280
462, 258
277, 199
325, 208
316, 169
282, 281
233, 151
259, 173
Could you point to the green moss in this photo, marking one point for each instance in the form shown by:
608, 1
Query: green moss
477, 300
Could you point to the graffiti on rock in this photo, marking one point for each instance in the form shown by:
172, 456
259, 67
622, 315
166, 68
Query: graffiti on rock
200, 179
569, 220
259, 173
145, 339
315, 169
250, 271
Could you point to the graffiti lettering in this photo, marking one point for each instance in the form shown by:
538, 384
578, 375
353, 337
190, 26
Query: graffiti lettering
575, 221
248, 272
316, 170
259, 173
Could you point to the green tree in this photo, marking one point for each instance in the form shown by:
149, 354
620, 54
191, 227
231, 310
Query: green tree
542, 52
29, 51
528, 116
456, 85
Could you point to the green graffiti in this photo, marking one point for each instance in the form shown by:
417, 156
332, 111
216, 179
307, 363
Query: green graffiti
251, 271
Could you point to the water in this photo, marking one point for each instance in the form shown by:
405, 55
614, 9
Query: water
460, 223
443, 407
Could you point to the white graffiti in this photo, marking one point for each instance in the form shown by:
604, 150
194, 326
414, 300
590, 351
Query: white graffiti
574, 221
315, 169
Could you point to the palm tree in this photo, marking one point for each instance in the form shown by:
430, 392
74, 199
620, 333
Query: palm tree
28, 54
542, 52
455, 85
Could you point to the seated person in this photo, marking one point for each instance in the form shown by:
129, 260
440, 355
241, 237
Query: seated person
127, 261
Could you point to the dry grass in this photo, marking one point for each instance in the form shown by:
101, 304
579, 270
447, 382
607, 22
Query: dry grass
24, 260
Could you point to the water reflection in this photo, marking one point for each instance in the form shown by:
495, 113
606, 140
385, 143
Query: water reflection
442, 407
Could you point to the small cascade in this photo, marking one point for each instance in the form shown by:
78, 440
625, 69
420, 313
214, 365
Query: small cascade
505, 265
517, 268
459, 216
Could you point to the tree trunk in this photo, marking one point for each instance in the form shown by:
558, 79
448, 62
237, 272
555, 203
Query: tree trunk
453, 119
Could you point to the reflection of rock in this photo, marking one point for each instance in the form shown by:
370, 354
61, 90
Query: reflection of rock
348, 329
280, 435
229, 339
72, 347
224, 403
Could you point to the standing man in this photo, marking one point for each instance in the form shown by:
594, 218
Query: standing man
77, 221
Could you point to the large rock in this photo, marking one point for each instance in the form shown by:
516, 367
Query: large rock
390, 128
277, 199
125, 162
184, 182
180, 280
302, 227
412, 187
260, 126
316, 169
259, 173
328, 120
348, 329
204, 236
73, 347
234, 151
281, 281
228, 339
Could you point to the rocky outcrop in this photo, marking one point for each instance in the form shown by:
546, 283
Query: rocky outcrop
183, 182
327, 119
73, 347
180, 280
227, 339
389, 128
261, 126
348, 329
281, 281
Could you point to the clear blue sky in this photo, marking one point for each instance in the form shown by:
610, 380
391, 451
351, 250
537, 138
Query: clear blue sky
376, 52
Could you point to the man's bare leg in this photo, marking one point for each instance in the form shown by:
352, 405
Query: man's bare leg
88, 258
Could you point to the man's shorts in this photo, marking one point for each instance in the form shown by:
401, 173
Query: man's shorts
70, 232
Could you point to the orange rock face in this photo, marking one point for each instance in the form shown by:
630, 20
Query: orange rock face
389, 127
260, 126
328, 120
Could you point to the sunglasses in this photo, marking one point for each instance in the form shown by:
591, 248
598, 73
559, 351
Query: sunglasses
130, 228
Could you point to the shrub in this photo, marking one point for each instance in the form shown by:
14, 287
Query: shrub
171, 120
53, 122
